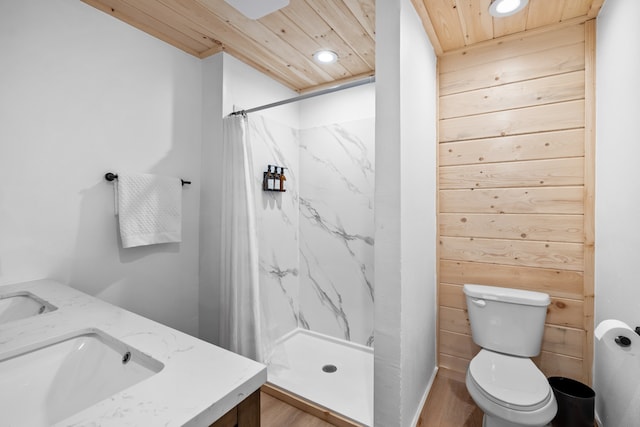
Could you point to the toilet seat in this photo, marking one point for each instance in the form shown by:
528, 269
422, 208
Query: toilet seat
509, 381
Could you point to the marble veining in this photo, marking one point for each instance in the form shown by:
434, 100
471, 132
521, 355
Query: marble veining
336, 229
198, 384
316, 240
278, 232
280, 276
334, 306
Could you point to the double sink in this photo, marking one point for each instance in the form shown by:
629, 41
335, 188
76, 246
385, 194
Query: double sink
70, 359
20, 305
55, 380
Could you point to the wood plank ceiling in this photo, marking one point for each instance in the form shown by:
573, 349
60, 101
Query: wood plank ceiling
282, 44
455, 24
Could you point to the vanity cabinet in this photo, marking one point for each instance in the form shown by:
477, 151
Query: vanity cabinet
246, 414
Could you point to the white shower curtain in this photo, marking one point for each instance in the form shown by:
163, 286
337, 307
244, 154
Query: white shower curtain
240, 314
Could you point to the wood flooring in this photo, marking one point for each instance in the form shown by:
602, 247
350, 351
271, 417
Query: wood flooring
276, 413
448, 405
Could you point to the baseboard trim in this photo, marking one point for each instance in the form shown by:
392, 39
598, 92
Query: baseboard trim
309, 407
423, 401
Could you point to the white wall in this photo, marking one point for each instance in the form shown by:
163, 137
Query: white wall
405, 214
246, 88
617, 203
228, 85
210, 195
418, 216
617, 154
83, 94
356, 103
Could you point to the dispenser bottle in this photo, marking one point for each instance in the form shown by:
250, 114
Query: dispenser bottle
271, 183
282, 178
265, 178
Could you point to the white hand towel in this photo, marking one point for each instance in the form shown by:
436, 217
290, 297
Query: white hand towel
149, 209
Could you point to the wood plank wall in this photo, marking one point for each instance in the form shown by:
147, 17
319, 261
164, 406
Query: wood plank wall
515, 151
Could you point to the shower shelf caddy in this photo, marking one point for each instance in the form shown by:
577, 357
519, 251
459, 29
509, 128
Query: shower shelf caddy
273, 180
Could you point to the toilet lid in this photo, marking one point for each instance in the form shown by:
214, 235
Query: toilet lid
510, 380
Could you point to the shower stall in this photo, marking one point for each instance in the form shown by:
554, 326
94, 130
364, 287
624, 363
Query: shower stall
316, 243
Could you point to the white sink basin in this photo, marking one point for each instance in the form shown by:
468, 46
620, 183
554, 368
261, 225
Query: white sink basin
44, 385
21, 305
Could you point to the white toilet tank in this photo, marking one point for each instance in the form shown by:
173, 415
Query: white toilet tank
505, 320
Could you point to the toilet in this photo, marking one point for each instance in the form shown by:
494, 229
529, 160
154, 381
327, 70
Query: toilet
502, 380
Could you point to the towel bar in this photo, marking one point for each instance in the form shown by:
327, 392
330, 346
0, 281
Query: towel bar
110, 176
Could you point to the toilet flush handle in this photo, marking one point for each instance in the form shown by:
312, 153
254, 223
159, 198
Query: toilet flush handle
479, 302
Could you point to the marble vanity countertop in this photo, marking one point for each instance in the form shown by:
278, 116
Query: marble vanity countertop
198, 384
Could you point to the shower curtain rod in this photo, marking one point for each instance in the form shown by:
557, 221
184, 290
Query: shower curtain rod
366, 80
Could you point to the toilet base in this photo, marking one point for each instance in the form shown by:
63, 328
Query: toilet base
489, 421
500, 416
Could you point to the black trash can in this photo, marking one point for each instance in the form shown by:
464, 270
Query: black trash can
575, 403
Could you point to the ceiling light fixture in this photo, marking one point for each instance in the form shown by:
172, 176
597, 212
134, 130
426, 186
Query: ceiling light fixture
502, 8
325, 56
254, 9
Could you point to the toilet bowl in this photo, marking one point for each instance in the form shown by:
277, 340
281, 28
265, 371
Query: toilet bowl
510, 390
501, 379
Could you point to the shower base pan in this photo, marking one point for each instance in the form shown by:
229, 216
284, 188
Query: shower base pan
332, 373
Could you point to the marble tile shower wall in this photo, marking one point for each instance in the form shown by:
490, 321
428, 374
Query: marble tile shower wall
277, 221
336, 229
316, 240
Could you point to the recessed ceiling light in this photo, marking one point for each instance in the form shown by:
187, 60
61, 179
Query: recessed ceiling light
502, 8
256, 9
325, 56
